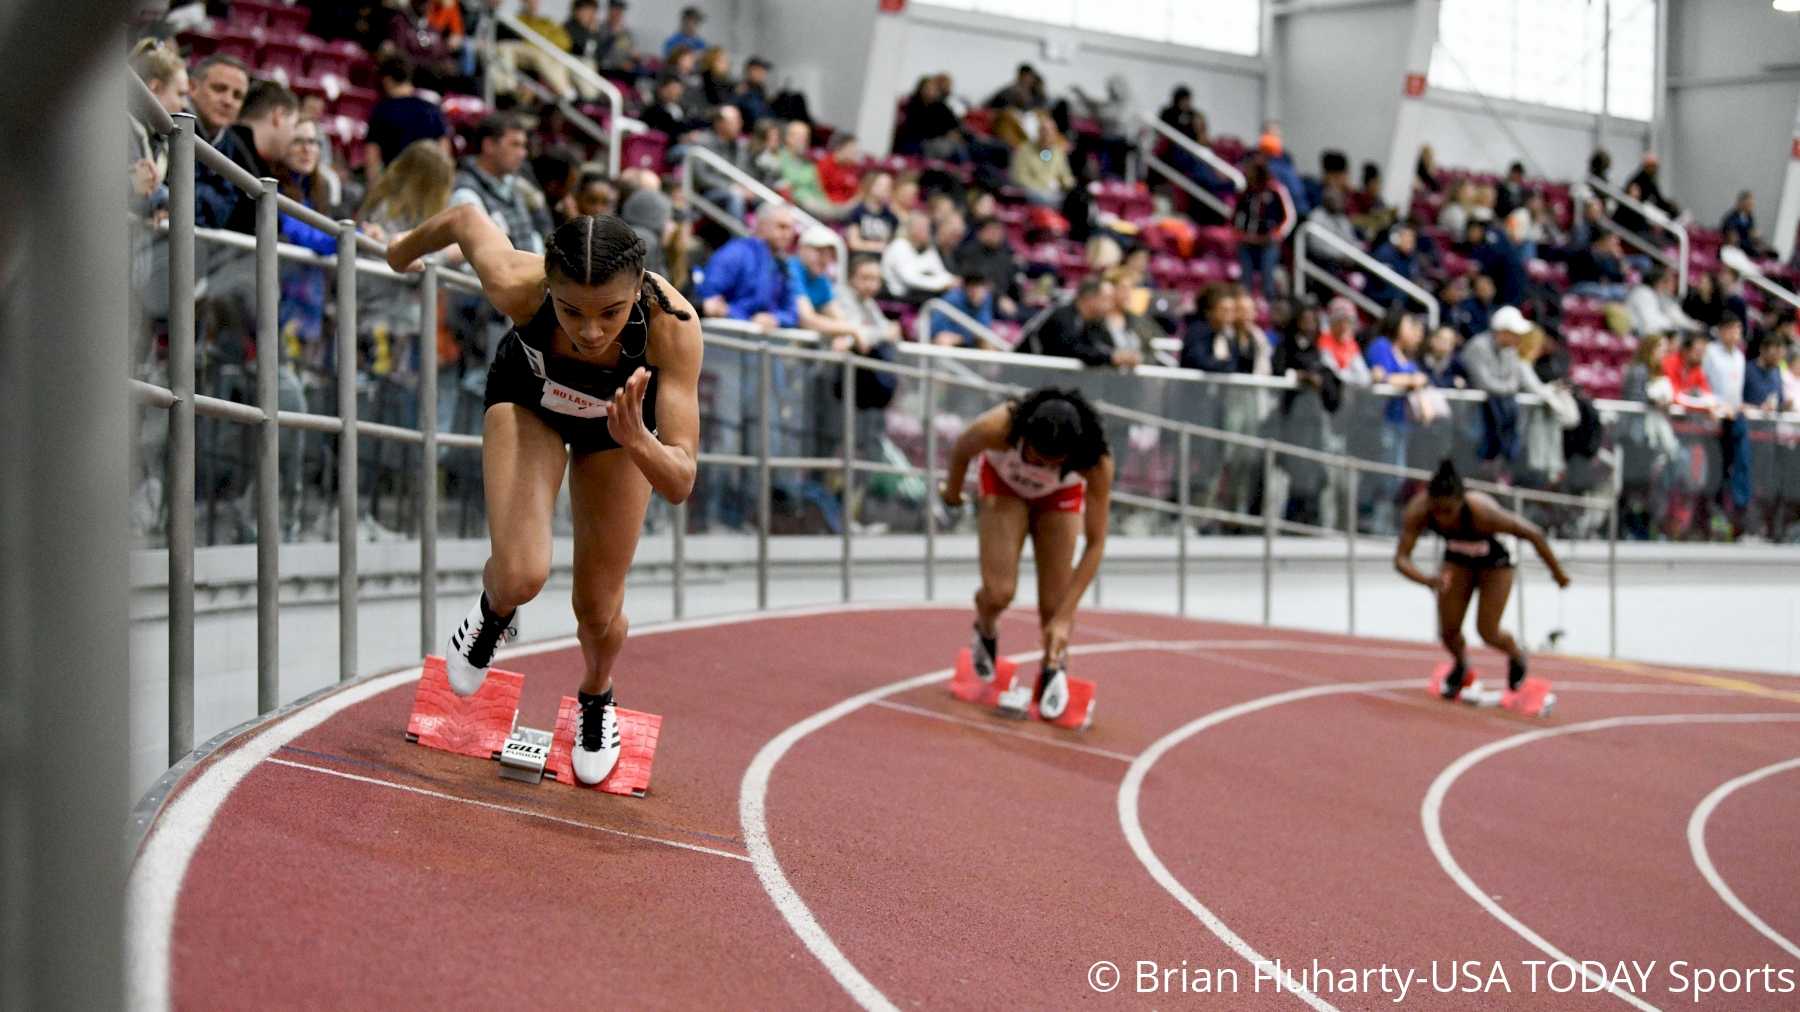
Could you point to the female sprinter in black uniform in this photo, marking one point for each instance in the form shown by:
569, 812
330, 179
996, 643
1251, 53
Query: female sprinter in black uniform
602, 366
1474, 558
1042, 459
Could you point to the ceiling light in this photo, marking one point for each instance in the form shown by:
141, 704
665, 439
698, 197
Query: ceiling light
1787, 6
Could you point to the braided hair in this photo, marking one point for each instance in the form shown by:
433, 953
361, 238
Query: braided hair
1059, 423
595, 248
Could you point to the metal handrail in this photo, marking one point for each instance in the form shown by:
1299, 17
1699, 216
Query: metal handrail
618, 123
145, 107
1197, 149
1363, 260
1739, 261
1147, 152
922, 324
695, 153
1655, 216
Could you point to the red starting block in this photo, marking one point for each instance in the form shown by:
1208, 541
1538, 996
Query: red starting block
966, 687
1080, 711
477, 725
637, 737
1533, 697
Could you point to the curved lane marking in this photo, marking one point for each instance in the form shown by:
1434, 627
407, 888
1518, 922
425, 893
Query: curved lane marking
1697, 843
1430, 813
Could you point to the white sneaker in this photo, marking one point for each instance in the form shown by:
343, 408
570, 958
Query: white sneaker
597, 743
1055, 697
980, 657
472, 647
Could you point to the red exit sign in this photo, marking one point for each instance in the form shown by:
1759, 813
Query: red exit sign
1415, 85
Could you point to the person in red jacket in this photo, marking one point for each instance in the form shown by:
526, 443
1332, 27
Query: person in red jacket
1688, 376
839, 175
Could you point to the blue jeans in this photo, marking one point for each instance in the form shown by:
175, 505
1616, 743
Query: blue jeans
1264, 258
1734, 442
1605, 291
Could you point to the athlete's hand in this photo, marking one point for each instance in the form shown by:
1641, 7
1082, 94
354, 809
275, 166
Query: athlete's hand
1056, 639
1440, 582
625, 413
1562, 578
952, 497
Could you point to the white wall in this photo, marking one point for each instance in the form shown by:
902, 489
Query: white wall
983, 52
1734, 86
1342, 76
1467, 132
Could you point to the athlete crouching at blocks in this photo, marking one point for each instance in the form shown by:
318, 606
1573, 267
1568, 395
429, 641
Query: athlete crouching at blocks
1043, 458
602, 366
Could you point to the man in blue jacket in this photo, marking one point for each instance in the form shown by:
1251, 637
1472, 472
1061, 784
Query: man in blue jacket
747, 279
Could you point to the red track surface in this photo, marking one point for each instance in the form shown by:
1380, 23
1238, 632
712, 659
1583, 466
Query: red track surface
961, 861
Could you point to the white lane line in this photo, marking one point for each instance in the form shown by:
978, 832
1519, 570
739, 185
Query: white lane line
1133, 784
1697, 843
1430, 813
753, 813
507, 808
154, 884
1011, 732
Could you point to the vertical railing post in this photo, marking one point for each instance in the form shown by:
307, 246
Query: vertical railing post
849, 500
928, 418
1268, 517
1612, 579
428, 459
1350, 542
678, 557
180, 473
764, 380
1519, 570
1182, 495
348, 497
268, 466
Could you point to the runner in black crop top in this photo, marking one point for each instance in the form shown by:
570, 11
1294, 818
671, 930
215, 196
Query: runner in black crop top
568, 394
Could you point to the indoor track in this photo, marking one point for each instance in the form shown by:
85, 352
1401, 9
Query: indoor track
827, 827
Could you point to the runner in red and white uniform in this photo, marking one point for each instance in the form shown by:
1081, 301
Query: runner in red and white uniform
1045, 471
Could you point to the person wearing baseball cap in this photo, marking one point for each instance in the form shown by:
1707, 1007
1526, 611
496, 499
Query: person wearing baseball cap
689, 33
810, 272
1491, 361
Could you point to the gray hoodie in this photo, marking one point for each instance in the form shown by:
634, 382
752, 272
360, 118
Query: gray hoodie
647, 212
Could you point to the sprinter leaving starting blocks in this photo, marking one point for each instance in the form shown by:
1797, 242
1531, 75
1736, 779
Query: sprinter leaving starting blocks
965, 686
637, 739
1533, 698
476, 725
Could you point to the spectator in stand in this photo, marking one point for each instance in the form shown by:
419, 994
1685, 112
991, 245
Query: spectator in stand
872, 221
583, 29
1490, 360
161, 70
1330, 215
649, 211
1250, 335
715, 77
684, 63
217, 89
1739, 227
1706, 302
1078, 330
1459, 210
856, 304
1400, 254
1343, 354
261, 138
689, 33
1477, 312
1371, 214
400, 118
514, 55
839, 174
1762, 373
1548, 235
1438, 361
445, 17
1040, 164
416, 186
1334, 174
1207, 342
765, 152
1025, 92
726, 140
988, 253
1598, 272
747, 278
1264, 217
302, 310
975, 298
1685, 369
1282, 167
1304, 410
618, 50
1180, 115
753, 98
906, 194
1588, 227
1653, 307
1131, 329
810, 272
490, 180
1724, 365
928, 127
669, 114
800, 174
1512, 192
594, 194
1425, 174
1392, 361
1644, 187
911, 266
948, 235
1500, 258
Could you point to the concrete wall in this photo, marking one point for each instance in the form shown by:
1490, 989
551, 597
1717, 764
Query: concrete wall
1342, 74
1734, 76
